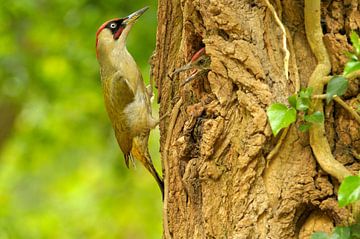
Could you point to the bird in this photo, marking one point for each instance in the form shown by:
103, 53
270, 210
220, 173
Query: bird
199, 63
127, 99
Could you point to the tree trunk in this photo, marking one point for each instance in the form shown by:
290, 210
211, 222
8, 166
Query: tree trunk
215, 141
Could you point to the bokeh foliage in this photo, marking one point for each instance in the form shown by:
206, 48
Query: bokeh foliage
61, 172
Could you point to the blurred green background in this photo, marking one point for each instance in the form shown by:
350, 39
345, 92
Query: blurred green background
61, 172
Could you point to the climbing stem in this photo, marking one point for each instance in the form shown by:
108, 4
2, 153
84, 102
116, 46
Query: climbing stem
282, 27
318, 140
348, 108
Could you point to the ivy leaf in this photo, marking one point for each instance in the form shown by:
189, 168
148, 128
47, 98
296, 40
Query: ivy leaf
355, 42
319, 235
349, 190
354, 63
351, 56
336, 86
292, 100
304, 127
341, 233
351, 67
280, 117
306, 93
316, 117
302, 104
304, 99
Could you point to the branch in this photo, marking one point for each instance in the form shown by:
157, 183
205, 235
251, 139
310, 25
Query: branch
326, 79
296, 80
285, 35
278, 145
318, 141
319, 97
342, 103
348, 108
281, 25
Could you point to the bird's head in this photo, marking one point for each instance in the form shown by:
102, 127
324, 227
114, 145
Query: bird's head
112, 34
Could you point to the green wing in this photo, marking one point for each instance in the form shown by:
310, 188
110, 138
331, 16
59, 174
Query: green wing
120, 95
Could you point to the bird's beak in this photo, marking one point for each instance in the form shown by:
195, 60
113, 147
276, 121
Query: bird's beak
129, 20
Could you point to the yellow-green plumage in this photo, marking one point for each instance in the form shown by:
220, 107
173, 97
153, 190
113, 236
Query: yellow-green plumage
126, 99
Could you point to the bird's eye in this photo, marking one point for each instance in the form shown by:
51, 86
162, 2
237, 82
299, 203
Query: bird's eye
113, 25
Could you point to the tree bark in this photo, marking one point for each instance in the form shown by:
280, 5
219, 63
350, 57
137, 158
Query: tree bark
215, 141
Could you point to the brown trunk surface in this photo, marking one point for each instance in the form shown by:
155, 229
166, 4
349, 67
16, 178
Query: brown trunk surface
219, 183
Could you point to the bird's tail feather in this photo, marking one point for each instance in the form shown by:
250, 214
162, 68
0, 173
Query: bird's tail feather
128, 157
140, 152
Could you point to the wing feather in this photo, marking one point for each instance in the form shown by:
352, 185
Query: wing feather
119, 96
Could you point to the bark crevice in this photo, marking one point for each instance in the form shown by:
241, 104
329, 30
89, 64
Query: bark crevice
219, 183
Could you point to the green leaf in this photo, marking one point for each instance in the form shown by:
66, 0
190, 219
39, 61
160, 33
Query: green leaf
351, 56
341, 233
280, 117
303, 104
304, 127
351, 67
355, 42
304, 100
349, 190
319, 235
306, 93
316, 117
292, 100
336, 86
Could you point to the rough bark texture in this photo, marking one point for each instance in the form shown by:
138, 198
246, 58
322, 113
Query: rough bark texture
219, 184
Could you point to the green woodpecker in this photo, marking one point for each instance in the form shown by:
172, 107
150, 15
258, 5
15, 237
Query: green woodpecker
199, 63
127, 100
